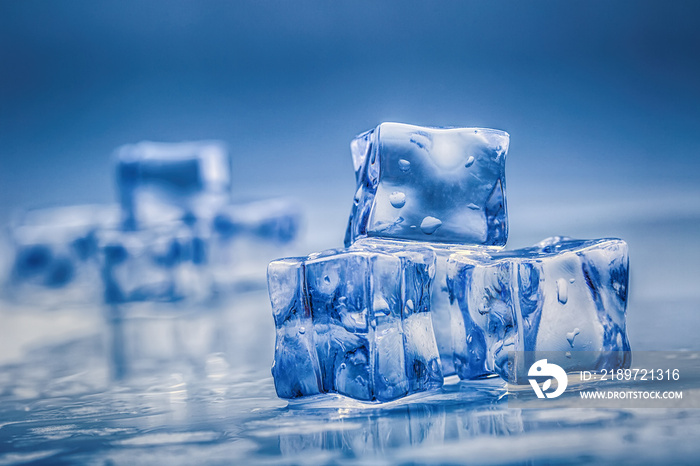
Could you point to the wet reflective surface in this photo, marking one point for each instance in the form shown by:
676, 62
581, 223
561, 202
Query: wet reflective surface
61, 404
235, 419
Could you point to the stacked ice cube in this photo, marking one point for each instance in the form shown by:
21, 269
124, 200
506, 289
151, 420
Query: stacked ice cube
179, 223
563, 297
425, 238
442, 185
354, 321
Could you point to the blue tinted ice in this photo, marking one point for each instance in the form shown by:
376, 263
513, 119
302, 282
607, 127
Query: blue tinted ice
55, 253
445, 317
274, 220
164, 263
158, 181
247, 236
562, 295
430, 184
356, 322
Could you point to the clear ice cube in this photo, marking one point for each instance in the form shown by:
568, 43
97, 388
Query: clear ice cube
356, 322
562, 295
447, 320
54, 254
430, 184
167, 181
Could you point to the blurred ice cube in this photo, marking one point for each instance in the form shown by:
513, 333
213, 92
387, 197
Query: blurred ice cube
161, 181
247, 236
54, 254
163, 263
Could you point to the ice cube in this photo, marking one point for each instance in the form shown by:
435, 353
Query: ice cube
448, 323
354, 321
247, 236
167, 181
55, 254
563, 295
430, 184
274, 220
163, 263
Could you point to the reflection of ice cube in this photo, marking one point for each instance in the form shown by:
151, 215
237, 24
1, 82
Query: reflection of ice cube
151, 340
158, 181
354, 321
247, 236
55, 254
412, 433
430, 184
562, 295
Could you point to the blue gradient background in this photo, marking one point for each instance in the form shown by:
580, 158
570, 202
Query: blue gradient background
601, 99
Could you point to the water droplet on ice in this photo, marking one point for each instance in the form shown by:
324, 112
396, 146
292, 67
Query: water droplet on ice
343, 366
404, 165
562, 291
302, 330
381, 307
470, 161
397, 199
430, 224
571, 335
